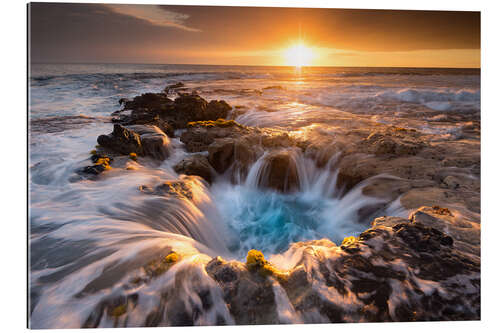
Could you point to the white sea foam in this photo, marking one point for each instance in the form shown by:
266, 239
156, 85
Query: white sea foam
83, 233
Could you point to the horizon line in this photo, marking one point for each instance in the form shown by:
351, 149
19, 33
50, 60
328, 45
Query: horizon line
204, 64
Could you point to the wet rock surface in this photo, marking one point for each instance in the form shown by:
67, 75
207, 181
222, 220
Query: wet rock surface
176, 188
421, 268
196, 165
280, 172
220, 154
143, 140
399, 270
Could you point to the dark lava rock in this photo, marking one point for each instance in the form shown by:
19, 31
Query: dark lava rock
173, 87
200, 134
122, 140
176, 188
190, 107
220, 154
101, 163
143, 140
197, 139
245, 154
143, 117
158, 110
280, 172
150, 101
154, 142
217, 110
93, 169
196, 165
249, 296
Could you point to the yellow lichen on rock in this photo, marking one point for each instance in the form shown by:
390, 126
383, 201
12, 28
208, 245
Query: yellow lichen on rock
257, 262
441, 210
211, 123
160, 265
348, 241
104, 161
172, 257
255, 259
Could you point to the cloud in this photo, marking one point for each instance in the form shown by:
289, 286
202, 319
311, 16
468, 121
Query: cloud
154, 14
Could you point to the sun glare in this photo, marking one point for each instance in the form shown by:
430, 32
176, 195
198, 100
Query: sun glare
298, 55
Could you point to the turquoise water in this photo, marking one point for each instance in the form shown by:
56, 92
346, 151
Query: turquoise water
82, 231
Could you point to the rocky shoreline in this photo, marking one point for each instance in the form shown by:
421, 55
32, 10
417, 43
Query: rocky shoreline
424, 267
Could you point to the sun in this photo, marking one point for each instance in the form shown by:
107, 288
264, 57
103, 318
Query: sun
298, 55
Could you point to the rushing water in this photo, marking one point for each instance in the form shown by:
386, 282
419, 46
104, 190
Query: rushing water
88, 237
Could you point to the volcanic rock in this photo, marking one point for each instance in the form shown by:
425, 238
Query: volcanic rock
143, 140
196, 165
384, 274
220, 154
280, 172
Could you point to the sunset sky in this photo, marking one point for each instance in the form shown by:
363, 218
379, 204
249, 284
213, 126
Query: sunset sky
110, 33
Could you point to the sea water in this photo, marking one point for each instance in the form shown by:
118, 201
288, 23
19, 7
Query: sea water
87, 237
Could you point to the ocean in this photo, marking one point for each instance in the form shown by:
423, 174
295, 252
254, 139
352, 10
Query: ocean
88, 238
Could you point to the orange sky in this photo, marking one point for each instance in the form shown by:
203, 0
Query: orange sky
252, 36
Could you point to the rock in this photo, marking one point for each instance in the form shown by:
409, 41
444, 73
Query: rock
158, 110
392, 140
277, 140
176, 188
465, 232
101, 163
219, 123
189, 108
427, 196
197, 139
143, 140
159, 266
388, 221
151, 101
144, 117
200, 134
249, 296
93, 169
354, 169
220, 154
122, 140
279, 172
398, 270
223, 271
173, 87
217, 110
122, 101
390, 146
154, 142
245, 154
363, 279
196, 165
